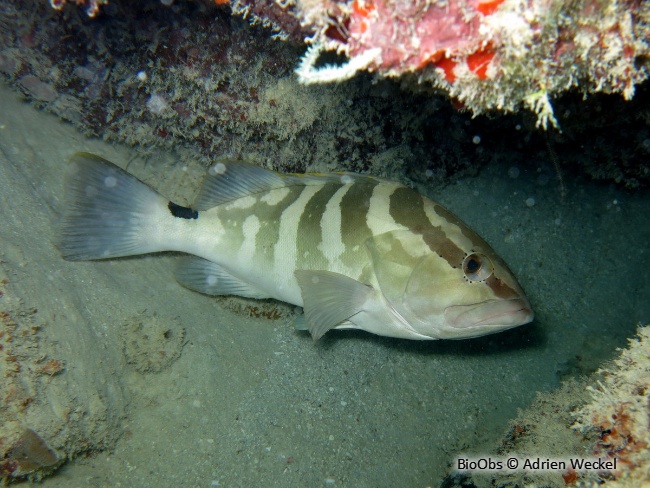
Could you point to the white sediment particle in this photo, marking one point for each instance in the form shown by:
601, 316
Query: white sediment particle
110, 182
346, 179
513, 172
217, 169
156, 104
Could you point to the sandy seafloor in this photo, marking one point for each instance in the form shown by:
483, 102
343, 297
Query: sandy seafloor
251, 402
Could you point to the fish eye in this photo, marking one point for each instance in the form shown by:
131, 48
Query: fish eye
477, 267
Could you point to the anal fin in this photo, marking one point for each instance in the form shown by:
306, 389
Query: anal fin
209, 278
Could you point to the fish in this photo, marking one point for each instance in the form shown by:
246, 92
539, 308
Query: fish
354, 251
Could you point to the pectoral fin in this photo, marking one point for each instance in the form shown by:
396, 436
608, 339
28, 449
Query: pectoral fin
329, 299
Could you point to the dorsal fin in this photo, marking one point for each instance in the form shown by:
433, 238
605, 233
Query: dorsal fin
229, 180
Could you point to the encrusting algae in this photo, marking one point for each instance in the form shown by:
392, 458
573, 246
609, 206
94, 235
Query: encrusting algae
618, 416
604, 417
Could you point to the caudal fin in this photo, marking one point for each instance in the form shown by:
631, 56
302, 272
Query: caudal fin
108, 213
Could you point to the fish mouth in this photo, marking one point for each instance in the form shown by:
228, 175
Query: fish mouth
493, 314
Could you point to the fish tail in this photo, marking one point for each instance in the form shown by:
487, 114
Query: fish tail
109, 213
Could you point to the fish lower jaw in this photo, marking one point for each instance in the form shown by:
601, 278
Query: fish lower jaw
491, 316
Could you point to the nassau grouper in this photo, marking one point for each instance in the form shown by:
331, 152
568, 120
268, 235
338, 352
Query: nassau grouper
354, 251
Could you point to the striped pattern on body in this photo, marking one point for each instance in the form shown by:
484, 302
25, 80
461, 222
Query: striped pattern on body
322, 223
351, 249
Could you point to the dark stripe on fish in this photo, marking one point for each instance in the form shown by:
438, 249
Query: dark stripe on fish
407, 209
310, 231
354, 219
501, 289
478, 243
269, 215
